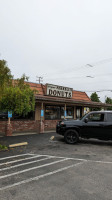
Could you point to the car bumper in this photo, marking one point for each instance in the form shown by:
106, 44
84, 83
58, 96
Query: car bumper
60, 130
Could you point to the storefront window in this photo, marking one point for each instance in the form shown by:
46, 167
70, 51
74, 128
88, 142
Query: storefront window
69, 112
57, 112
52, 112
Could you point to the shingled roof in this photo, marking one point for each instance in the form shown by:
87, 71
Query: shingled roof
77, 95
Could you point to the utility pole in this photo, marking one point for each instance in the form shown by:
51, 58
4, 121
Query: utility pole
39, 79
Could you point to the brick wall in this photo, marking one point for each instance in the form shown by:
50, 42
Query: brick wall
20, 126
50, 124
27, 126
2, 127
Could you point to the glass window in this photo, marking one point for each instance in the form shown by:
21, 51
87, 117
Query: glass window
52, 112
109, 117
57, 112
69, 112
96, 117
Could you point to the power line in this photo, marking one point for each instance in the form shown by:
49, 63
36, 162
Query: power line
100, 62
100, 91
90, 65
86, 76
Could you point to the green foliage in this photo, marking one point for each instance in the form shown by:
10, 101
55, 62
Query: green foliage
94, 97
5, 76
15, 95
20, 101
3, 147
108, 100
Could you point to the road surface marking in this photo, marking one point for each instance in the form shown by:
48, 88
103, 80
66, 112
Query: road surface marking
40, 176
16, 156
96, 161
32, 168
14, 161
23, 164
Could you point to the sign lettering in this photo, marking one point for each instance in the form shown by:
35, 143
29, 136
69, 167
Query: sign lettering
59, 91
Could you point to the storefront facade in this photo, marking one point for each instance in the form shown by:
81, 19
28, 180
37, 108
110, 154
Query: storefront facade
58, 102
52, 103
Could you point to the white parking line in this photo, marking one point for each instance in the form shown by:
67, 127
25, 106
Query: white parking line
16, 156
44, 157
32, 168
103, 162
79, 159
23, 164
40, 176
14, 161
65, 157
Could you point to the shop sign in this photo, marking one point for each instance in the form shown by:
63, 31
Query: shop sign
58, 91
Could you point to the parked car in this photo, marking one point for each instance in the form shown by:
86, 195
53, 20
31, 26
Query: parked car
96, 124
3, 115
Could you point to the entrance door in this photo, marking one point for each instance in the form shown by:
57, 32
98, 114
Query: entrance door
78, 112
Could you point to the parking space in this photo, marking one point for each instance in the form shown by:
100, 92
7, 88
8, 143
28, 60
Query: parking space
21, 169
25, 168
54, 170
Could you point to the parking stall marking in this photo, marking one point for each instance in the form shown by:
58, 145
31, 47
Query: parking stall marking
40, 176
32, 168
26, 154
23, 159
19, 165
79, 159
36, 178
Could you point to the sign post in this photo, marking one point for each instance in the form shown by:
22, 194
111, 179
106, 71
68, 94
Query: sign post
42, 117
65, 113
42, 113
9, 116
9, 125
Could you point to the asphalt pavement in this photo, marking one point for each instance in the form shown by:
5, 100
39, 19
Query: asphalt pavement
48, 168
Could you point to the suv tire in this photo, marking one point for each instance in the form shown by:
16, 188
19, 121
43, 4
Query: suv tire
71, 136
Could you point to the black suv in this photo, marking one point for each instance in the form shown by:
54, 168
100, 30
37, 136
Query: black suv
97, 124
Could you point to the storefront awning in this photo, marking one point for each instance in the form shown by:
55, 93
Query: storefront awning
48, 99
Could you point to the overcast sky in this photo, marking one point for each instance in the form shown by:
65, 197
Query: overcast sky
56, 39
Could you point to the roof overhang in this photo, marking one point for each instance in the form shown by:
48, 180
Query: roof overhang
49, 99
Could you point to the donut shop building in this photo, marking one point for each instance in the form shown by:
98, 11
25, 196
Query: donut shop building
52, 103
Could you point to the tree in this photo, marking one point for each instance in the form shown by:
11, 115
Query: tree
15, 95
94, 97
108, 100
5, 76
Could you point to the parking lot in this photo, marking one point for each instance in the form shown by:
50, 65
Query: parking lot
55, 170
